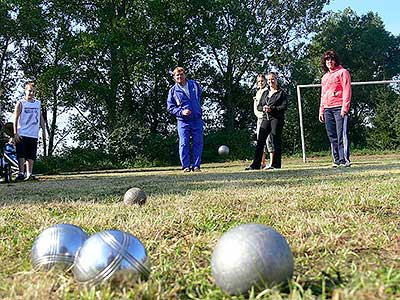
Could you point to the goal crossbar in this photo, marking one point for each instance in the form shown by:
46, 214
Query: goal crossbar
303, 145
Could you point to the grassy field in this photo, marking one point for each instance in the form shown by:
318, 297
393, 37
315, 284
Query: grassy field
343, 226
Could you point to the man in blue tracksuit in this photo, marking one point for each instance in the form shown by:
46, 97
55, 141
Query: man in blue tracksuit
184, 102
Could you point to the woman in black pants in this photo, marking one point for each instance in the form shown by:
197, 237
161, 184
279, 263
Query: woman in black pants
273, 104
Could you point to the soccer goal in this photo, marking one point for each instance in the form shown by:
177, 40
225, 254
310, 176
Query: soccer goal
300, 86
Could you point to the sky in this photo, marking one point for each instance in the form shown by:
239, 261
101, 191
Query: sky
388, 10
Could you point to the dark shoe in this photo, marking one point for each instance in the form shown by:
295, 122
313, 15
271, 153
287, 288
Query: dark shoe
30, 177
20, 177
335, 165
346, 164
249, 168
186, 170
196, 169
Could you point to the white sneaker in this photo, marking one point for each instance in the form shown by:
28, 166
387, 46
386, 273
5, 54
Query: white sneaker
268, 167
347, 164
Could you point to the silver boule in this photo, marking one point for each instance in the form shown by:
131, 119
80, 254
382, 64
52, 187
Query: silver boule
223, 150
135, 196
56, 246
251, 255
111, 254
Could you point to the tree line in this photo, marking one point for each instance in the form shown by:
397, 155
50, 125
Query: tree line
108, 63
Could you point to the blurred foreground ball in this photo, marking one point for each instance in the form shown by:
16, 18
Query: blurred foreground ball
223, 150
135, 196
251, 255
111, 254
56, 246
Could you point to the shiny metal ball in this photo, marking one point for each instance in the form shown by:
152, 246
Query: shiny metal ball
251, 255
135, 196
56, 246
223, 150
111, 254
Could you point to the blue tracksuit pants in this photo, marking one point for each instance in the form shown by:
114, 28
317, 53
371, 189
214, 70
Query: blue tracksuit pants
186, 130
336, 128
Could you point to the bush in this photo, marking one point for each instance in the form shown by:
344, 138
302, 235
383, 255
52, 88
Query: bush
240, 143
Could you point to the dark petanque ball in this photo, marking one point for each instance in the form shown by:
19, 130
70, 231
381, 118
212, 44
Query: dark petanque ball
251, 255
111, 255
223, 150
135, 196
56, 246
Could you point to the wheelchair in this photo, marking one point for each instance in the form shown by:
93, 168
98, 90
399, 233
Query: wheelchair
8, 157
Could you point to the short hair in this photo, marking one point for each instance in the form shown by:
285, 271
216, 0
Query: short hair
178, 70
332, 55
30, 84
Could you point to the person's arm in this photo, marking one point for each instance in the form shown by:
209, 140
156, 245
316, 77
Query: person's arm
175, 108
346, 85
321, 114
17, 114
262, 102
321, 105
283, 103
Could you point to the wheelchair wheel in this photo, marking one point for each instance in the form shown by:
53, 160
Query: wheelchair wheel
7, 174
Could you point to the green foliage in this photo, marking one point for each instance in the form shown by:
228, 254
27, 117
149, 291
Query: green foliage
77, 159
239, 143
384, 131
108, 63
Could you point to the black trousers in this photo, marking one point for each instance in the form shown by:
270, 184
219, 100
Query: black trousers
273, 126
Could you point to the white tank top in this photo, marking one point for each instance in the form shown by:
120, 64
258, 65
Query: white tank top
29, 119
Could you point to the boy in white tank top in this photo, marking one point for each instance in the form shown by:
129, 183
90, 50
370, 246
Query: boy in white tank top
27, 121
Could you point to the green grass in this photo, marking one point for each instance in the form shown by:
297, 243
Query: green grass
343, 226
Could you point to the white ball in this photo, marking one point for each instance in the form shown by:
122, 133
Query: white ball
251, 255
223, 150
135, 196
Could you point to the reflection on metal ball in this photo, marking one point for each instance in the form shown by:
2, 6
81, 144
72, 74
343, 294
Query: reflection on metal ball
223, 150
111, 254
56, 246
251, 255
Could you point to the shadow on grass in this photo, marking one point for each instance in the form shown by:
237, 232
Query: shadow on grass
110, 187
325, 283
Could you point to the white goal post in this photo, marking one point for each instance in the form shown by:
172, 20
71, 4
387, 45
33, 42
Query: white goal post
303, 146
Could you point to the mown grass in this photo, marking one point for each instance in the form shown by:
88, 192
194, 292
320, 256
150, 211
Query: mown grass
343, 226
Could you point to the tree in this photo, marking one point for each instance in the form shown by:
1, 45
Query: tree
7, 51
243, 38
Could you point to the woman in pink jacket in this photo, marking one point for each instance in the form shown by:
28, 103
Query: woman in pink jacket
335, 106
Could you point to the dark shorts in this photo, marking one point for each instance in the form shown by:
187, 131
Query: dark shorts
27, 148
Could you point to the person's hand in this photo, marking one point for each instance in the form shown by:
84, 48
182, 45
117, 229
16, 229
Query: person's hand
17, 138
267, 108
321, 118
342, 113
186, 112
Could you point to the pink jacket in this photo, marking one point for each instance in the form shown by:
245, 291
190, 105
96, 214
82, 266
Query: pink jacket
336, 90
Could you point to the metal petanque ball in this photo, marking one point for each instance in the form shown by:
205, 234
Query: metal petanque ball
135, 196
251, 255
223, 150
111, 255
56, 246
